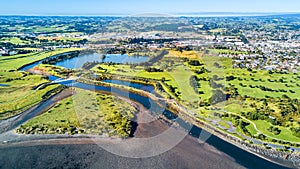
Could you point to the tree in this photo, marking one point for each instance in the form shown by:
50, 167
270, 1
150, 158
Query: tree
230, 78
217, 97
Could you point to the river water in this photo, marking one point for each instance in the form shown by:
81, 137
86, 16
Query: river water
78, 62
242, 157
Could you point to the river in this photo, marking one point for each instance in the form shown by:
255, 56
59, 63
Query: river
228, 155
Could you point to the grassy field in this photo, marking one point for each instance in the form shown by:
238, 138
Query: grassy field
285, 134
256, 84
14, 40
86, 112
227, 51
21, 91
17, 61
176, 75
64, 39
184, 54
249, 82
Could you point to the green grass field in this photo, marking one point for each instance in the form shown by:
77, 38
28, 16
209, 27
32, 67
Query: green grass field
178, 76
20, 94
84, 113
285, 134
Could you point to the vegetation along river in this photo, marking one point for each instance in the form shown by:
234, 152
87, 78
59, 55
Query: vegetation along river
231, 155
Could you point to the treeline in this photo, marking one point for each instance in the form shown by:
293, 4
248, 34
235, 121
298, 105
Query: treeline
149, 41
59, 58
154, 59
153, 69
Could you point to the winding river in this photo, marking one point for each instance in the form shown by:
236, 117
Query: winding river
242, 157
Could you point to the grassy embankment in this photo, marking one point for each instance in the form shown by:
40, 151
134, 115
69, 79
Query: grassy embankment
175, 75
22, 91
84, 113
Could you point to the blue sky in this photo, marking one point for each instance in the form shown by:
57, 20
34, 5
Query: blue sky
84, 7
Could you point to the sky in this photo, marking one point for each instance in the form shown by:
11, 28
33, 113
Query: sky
100, 7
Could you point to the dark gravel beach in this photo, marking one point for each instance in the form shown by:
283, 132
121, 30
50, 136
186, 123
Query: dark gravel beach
188, 154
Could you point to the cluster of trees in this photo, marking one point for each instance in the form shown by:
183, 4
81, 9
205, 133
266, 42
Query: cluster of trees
230, 78
89, 65
274, 130
59, 58
264, 88
153, 69
193, 62
218, 96
217, 65
29, 42
242, 124
296, 131
200, 71
172, 89
253, 115
215, 85
44, 129
154, 59
169, 27
151, 41
194, 82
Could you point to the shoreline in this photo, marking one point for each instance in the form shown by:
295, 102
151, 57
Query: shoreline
91, 139
203, 125
187, 117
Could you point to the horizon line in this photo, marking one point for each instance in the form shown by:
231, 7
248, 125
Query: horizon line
144, 14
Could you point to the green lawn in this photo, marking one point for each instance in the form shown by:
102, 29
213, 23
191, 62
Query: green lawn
251, 129
224, 124
285, 134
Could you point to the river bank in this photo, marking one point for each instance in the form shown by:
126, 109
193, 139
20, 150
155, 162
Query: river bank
272, 155
282, 158
189, 153
224, 138
85, 153
144, 130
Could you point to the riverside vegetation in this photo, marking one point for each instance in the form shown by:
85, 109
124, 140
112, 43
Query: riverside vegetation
255, 103
86, 112
22, 90
216, 82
